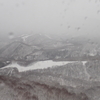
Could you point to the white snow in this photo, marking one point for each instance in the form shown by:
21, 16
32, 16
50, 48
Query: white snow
48, 36
25, 37
38, 65
84, 62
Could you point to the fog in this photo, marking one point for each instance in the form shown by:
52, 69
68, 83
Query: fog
71, 17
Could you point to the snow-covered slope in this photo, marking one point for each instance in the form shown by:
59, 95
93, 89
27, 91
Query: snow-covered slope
39, 65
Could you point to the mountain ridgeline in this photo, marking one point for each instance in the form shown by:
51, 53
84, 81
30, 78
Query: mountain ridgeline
37, 47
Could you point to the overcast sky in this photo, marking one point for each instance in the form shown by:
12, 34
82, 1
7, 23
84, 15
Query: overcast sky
74, 17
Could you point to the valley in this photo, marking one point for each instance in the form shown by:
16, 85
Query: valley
42, 67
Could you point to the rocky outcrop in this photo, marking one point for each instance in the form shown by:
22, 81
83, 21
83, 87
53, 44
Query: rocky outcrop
10, 72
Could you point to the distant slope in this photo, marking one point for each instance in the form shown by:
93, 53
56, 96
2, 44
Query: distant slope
16, 49
37, 47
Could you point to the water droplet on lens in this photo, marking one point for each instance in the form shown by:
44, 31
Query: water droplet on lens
23, 3
17, 5
63, 2
78, 28
65, 10
1, 4
85, 18
98, 11
68, 26
11, 35
61, 24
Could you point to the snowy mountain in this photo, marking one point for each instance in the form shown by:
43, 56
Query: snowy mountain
39, 47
